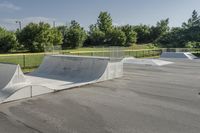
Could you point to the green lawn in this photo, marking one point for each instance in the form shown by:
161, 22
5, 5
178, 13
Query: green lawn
26, 61
30, 61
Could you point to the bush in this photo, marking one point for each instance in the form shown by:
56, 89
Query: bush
8, 41
193, 45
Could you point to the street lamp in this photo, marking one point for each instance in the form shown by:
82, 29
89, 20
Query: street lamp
20, 24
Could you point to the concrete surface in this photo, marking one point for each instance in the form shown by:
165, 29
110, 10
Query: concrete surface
64, 71
178, 55
11, 80
147, 99
148, 62
57, 72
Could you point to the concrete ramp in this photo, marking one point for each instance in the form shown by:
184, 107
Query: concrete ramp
147, 62
178, 55
57, 72
11, 79
15, 85
62, 72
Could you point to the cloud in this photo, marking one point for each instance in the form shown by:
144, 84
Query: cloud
7, 6
11, 24
118, 24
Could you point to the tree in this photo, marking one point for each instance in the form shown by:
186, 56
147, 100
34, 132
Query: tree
35, 37
104, 22
116, 37
64, 31
75, 36
159, 30
96, 36
8, 40
56, 36
103, 32
172, 39
193, 21
99, 33
131, 35
143, 33
186, 36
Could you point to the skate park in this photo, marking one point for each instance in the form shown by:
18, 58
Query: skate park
162, 90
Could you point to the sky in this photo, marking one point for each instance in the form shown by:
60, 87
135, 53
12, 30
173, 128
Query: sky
123, 12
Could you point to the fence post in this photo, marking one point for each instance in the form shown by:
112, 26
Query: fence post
143, 53
24, 60
136, 54
31, 91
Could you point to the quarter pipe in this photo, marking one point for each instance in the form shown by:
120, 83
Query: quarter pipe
56, 73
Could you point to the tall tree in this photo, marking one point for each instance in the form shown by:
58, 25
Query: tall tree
96, 36
185, 36
75, 36
172, 39
116, 37
143, 33
131, 35
193, 21
162, 27
104, 22
64, 31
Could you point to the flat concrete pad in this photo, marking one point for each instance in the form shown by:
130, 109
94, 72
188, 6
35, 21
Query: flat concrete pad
147, 99
178, 55
148, 62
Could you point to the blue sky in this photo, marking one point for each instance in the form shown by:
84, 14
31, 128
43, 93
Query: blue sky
86, 11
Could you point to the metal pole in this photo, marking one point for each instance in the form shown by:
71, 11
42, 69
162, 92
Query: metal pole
54, 24
24, 61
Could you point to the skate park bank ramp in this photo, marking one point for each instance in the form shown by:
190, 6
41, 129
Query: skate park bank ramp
146, 62
57, 72
178, 55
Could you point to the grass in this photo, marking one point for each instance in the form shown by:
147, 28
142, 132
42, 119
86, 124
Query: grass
26, 61
30, 61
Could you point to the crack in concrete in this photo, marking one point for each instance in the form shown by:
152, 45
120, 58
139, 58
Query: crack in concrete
32, 128
20, 122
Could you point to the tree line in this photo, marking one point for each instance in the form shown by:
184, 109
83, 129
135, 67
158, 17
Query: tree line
35, 37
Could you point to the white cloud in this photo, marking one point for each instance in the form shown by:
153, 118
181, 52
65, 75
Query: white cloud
116, 24
7, 6
11, 24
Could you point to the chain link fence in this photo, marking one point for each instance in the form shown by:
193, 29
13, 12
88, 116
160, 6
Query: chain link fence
118, 53
33, 60
53, 49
